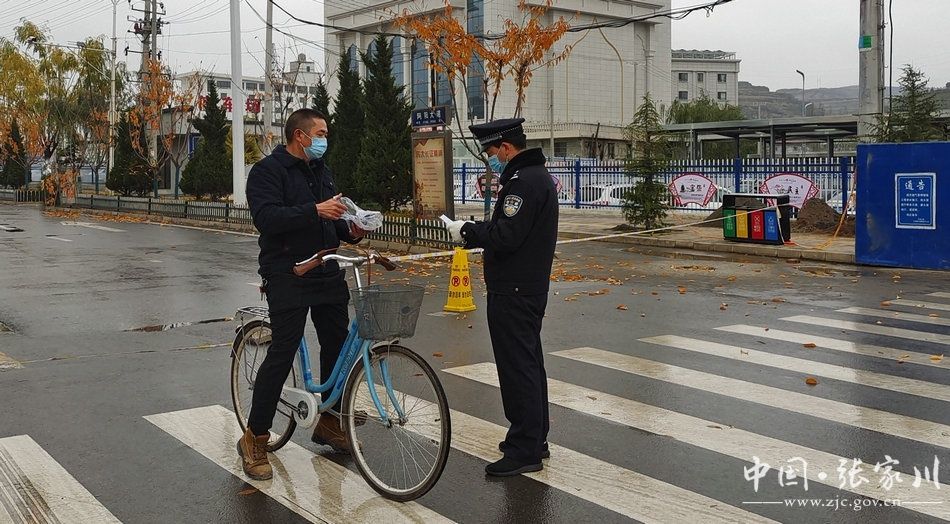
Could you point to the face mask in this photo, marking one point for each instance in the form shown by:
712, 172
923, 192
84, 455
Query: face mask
318, 146
496, 165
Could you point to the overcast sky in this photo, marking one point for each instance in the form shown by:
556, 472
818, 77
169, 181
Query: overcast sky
771, 37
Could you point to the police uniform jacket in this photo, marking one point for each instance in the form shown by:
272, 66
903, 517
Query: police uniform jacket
520, 237
282, 193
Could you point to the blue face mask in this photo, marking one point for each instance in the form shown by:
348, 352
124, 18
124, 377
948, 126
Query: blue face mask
318, 146
496, 165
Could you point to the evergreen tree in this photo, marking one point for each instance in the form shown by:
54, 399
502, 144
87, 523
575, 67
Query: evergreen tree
209, 170
645, 203
129, 175
913, 113
347, 131
384, 169
321, 103
15, 169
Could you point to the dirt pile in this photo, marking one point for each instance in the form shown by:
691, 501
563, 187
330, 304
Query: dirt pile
816, 216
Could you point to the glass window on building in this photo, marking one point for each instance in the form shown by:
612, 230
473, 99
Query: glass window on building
443, 91
370, 53
683, 77
721, 95
475, 25
420, 76
700, 77
560, 148
683, 95
352, 55
398, 65
721, 78
223, 84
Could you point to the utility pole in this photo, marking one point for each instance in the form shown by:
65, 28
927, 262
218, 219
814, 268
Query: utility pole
268, 71
551, 110
112, 115
870, 65
154, 55
237, 109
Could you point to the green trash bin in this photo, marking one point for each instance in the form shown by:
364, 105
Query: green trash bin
729, 223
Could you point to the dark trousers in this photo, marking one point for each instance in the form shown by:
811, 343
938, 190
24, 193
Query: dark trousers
514, 323
287, 326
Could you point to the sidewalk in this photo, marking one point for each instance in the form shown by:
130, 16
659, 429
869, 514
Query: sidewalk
582, 223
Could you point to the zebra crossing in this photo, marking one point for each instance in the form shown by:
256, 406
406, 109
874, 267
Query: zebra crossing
34, 487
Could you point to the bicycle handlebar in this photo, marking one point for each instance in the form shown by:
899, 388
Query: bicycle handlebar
318, 259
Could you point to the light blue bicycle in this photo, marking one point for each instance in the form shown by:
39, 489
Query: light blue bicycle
394, 409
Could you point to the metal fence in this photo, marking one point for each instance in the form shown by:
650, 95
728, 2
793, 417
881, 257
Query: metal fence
589, 184
22, 195
398, 229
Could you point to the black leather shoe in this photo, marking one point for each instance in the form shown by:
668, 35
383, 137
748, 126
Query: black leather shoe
507, 467
545, 452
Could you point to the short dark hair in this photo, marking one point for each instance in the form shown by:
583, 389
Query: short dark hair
519, 142
299, 118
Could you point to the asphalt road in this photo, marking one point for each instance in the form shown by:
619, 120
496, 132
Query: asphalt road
672, 375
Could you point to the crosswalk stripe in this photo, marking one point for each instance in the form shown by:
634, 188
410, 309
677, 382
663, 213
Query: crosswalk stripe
896, 315
808, 367
868, 418
308, 484
911, 334
835, 344
93, 226
51, 237
920, 304
35, 488
940, 294
618, 489
722, 439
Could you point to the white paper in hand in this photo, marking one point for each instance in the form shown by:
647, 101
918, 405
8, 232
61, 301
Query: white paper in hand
366, 220
446, 220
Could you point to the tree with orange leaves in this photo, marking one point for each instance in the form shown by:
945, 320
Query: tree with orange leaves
524, 48
160, 115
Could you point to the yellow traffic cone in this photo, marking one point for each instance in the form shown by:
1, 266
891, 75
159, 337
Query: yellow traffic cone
460, 284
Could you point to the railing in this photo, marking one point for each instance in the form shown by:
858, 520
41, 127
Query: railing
398, 229
589, 184
22, 195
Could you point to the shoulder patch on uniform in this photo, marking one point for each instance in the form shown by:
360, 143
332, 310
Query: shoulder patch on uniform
512, 205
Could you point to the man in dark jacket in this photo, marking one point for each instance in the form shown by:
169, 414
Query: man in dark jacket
519, 251
296, 208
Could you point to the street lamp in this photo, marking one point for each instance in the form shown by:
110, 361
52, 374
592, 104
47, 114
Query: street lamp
803, 90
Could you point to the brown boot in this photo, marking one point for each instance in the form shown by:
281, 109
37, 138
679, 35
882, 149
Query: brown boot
253, 452
329, 433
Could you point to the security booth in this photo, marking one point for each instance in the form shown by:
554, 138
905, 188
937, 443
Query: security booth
757, 218
901, 214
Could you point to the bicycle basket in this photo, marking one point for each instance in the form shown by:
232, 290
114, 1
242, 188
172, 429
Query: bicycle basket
387, 311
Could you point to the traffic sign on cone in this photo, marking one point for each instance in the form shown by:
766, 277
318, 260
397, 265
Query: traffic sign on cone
460, 285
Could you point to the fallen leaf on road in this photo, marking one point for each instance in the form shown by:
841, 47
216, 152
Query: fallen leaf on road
654, 293
936, 358
437, 354
723, 306
591, 397
811, 381
469, 326
570, 299
778, 300
248, 491
643, 315
933, 315
682, 290
886, 303
810, 345
731, 278
714, 426
879, 323
622, 307
744, 352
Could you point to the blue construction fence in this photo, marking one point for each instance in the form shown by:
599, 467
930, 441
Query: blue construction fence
592, 184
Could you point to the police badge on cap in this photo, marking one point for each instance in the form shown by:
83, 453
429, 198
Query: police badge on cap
490, 133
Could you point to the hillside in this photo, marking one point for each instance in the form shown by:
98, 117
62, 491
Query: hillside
761, 102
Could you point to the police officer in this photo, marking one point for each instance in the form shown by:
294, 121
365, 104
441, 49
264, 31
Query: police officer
519, 251
296, 208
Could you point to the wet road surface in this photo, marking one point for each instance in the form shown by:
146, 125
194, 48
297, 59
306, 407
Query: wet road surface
673, 375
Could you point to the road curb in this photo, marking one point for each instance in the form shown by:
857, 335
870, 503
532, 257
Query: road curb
786, 252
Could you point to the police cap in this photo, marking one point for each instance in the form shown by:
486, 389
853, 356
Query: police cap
490, 133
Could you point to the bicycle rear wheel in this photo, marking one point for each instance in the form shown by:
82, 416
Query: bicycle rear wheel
248, 351
402, 458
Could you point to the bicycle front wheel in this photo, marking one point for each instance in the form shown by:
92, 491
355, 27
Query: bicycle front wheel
402, 454
248, 352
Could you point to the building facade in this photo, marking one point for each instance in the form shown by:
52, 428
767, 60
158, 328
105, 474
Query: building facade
711, 73
584, 101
